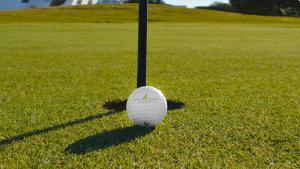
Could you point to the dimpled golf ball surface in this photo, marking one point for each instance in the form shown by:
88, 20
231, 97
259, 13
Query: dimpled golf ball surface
147, 106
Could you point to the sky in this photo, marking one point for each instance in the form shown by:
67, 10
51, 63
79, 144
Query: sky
193, 3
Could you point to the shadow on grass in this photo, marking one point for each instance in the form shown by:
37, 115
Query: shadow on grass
107, 139
120, 105
113, 107
115, 137
53, 128
59, 126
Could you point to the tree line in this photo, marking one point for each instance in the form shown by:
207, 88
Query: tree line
267, 7
257, 7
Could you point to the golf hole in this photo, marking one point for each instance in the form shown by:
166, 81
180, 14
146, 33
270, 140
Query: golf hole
119, 105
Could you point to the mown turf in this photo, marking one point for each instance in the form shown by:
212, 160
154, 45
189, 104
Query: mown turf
128, 13
239, 82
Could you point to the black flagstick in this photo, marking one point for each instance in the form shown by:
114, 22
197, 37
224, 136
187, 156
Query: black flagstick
142, 51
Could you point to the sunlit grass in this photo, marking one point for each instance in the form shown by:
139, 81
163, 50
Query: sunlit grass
128, 13
239, 84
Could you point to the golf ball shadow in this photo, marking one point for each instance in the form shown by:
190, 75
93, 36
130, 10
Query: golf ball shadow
108, 139
118, 136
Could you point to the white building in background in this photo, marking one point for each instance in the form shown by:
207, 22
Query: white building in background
90, 2
21, 4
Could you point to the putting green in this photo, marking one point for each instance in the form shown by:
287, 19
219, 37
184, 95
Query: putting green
62, 88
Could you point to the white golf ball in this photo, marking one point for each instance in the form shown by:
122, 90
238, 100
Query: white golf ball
147, 106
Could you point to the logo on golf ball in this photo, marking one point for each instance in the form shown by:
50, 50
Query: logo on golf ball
146, 99
146, 106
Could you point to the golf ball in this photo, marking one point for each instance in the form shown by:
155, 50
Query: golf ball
147, 106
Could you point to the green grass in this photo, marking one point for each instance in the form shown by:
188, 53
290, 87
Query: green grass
239, 82
128, 13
